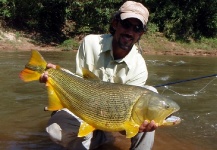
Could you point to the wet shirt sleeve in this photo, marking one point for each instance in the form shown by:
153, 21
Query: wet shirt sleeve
87, 53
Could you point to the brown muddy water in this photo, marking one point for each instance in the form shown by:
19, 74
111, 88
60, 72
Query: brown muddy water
23, 121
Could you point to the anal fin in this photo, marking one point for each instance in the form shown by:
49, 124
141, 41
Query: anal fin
85, 129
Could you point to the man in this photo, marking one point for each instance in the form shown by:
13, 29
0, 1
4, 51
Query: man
113, 58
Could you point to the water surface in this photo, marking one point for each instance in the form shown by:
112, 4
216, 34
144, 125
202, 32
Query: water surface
197, 99
23, 120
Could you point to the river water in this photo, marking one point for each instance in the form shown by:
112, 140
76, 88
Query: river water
23, 120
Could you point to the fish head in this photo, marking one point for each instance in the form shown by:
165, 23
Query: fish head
153, 106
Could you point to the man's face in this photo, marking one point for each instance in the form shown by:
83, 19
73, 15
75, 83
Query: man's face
128, 32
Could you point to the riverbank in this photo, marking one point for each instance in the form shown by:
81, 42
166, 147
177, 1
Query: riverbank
156, 45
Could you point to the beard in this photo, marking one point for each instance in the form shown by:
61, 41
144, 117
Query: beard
126, 42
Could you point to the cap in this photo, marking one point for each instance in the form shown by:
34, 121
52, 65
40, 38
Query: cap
131, 9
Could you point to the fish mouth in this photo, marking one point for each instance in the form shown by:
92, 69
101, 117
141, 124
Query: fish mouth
171, 120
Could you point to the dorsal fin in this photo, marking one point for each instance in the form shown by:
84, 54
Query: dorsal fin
89, 75
58, 67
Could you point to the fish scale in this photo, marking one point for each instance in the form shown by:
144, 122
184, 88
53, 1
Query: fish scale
106, 110
101, 105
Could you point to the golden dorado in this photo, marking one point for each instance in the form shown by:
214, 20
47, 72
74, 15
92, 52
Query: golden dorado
101, 105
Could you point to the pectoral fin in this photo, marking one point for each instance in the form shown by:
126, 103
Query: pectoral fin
85, 129
131, 129
54, 102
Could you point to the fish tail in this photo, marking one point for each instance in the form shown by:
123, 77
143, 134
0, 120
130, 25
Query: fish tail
34, 68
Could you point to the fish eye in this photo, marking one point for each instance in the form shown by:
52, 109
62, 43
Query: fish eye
167, 106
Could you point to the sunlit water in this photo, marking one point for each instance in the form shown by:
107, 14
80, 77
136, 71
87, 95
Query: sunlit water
23, 120
197, 99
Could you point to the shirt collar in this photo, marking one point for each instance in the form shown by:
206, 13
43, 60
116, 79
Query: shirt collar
129, 59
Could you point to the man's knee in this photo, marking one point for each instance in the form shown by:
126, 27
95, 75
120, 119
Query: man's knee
63, 129
55, 132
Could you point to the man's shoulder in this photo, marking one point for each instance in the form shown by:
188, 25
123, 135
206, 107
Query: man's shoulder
97, 37
94, 44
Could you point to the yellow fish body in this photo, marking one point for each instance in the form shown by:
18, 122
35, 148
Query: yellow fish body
101, 105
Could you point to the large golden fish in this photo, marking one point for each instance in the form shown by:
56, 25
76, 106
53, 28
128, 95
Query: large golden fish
101, 105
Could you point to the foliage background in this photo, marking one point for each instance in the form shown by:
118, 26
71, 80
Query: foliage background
61, 19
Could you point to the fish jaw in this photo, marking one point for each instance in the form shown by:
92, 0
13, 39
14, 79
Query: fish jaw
170, 107
171, 120
152, 106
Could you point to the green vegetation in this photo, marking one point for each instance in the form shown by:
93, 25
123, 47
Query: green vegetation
203, 44
159, 43
69, 44
185, 21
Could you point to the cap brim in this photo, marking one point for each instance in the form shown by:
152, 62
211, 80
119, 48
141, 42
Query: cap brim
132, 15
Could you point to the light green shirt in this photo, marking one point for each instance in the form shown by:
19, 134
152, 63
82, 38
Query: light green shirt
95, 54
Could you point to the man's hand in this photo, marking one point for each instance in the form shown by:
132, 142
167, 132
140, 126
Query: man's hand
148, 127
44, 76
